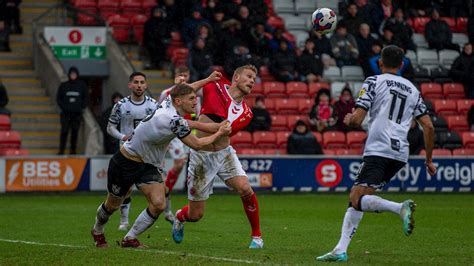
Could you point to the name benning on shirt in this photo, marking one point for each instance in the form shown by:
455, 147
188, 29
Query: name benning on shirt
403, 87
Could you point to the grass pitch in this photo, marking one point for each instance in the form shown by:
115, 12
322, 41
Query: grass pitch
55, 229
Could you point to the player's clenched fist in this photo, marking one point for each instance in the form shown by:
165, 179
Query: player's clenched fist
224, 128
215, 76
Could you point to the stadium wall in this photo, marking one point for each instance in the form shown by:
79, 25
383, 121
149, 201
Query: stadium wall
299, 174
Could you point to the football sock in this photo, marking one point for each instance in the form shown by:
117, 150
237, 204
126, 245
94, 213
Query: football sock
349, 227
183, 214
143, 222
251, 209
168, 203
101, 219
372, 203
171, 179
124, 210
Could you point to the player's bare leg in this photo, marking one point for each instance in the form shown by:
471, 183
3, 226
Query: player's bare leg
170, 181
155, 195
192, 212
250, 203
105, 210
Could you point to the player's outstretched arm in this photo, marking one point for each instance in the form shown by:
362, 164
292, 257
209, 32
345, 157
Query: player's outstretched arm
207, 127
199, 143
428, 135
355, 118
113, 131
215, 76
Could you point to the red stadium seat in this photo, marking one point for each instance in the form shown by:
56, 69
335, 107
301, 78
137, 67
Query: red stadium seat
271, 151
252, 151
179, 55
453, 90
282, 151
463, 152
451, 23
304, 105
282, 138
293, 118
108, 8
334, 140
270, 105
318, 136
10, 139
276, 22
5, 123
131, 8
243, 139
176, 40
445, 107
274, 89
264, 139
279, 123
313, 88
461, 25
329, 152
438, 152
89, 6
348, 151
265, 74
457, 123
419, 24
468, 139
356, 139
138, 22
432, 90
120, 27
14, 152
286, 106
148, 5
464, 106
296, 89
257, 89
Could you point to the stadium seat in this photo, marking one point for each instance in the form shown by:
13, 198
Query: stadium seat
352, 73
108, 8
449, 140
304, 105
86, 18
301, 37
468, 139
461, 25
447, 57
248, 151
318, 136
296, 89
305, 6
265, 74
120, 27
427, 57
329, 152
5, 123
453, 90
131, 8
257, 89
348, 151
356, 87
14, 152
274, 89
289, 37
336, 89
138, 22
279, 123
270, 105
419, 24
432, 91
10, 139
264, 139
438, 152
176, 39
451, 23
243, 139
355, 139
282, 139
463, 152
179, 55
460, 39
313, 88
464, 105
286, 106
283, 6
271, 151
293, 118
148, 5
457, 123
276, 22
294, 22
332, 73
334, 140
412, 56
445, 107
420, 41
439, 123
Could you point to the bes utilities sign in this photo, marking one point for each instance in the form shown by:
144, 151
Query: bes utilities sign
43, 174
77, 42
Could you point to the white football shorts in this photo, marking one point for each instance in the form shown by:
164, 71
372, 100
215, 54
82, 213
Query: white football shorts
178, 150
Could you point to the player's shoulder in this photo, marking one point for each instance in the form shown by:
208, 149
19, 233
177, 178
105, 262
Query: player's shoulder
122, 101
149, 99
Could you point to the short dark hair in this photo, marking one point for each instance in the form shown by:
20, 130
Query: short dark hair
134, 74
392, 56
180, 90
180, 70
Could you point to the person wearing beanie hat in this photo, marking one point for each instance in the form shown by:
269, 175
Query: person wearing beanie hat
302, 140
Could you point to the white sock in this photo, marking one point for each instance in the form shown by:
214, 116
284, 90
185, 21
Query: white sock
142, 223
168, 204
101, 219
349, 227
124, 211
372, 203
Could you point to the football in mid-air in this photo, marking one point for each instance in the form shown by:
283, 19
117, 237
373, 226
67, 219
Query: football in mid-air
324, 20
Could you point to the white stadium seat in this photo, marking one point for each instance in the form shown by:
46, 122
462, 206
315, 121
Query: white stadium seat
427, 57
352, 73
336, 89
420, 40
295, 23
305, 6
283, 6
332, 73
447, 57
460, 39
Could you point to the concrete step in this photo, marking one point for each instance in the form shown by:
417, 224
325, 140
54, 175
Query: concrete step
25, 126
20, 45
22, 55
18, 73
13, 64
36, 4
158, 74
45, 135
20, 38
21, 82
32, 11
34, 118
30, 100
37, 143
44, 109
15, 91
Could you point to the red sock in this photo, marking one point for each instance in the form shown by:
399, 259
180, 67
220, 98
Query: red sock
171, 179
183, 215
251, 209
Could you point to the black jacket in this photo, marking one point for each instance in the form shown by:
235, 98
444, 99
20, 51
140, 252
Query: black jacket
310, 63
416, 141
72, 96
3, 96
303, 143
437, 31
261, 120
460, 68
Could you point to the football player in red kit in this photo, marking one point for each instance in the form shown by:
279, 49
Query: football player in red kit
221, 101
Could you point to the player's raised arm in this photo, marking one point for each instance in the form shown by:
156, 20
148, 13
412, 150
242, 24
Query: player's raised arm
428, 135
213, 77
199, 143
207, 127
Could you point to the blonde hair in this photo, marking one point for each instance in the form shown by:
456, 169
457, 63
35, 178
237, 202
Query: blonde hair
181, 70
242, 68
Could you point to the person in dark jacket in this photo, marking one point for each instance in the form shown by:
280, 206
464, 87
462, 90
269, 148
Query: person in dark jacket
200, 60
191, 24
352, 19
12, 16
261, 118
284, 64
302, 141
364, 43
156, 37
438, 34
323, 46
344, 106
460, 69
72, 100
415, 139
111, 144
3, 99
401, 30
310, 64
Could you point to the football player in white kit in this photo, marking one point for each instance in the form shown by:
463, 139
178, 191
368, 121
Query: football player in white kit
127, 113
140, 159
392, 102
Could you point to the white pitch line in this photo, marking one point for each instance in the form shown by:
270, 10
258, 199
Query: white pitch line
137, 250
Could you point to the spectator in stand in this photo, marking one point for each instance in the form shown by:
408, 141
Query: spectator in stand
278, 37
211, 8
3, 99
111, 144
388, 38
310, 64
261, 120
352, 19
323, 46
243, 16
470, 118
323, 116
460, 70
156, 37
231, 37
217, 20
405, 71
401, 30
344, 106
438, 34
302, 140
257, 41
12, 16
205, 33
415, 138
191, 24
416, 8
458, 8
372, 63
72, 99
258, 10
284, 64
231, 7
200, 60
381, 12
364, 43
344, 46
174, 14
240, 57
4, 37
